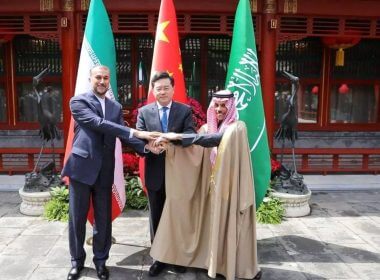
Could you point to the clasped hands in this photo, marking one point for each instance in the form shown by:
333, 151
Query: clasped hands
158, 142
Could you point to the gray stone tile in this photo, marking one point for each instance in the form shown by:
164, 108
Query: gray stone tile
362, 227
339, 235
33, 245
17, 267
20, 222
58, 256
327, 270
10, 232
43, 227
356, 253
367, 271
48, 273
304, 249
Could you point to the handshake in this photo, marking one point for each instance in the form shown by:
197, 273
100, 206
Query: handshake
157, 141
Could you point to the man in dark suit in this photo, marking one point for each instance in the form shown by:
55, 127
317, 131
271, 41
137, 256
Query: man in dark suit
90, 167
164, 115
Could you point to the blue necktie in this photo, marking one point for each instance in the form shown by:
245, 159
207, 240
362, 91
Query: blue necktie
164, 119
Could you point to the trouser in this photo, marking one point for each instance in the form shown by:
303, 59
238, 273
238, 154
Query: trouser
156, 205
79, 201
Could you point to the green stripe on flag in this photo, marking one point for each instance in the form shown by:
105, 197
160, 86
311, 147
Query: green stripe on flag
99, 36
243, 79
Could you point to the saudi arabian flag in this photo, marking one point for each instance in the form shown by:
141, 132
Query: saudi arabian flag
243, 79
98, 48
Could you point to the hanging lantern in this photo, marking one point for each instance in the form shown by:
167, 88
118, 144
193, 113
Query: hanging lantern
340, 44
343, 89
315, 90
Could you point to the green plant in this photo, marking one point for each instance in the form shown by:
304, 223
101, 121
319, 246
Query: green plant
57, 209
271, 211
136, 198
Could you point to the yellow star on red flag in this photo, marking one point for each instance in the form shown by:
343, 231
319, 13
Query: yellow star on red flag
160, 31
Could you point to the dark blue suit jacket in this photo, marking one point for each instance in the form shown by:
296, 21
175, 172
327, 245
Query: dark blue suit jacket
95, 137
148, 119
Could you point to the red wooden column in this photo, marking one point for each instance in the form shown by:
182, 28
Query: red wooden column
268, 63
69, 60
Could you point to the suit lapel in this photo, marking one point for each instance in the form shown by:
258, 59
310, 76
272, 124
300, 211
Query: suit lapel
97, 105
155, 117
172, 115
108, 109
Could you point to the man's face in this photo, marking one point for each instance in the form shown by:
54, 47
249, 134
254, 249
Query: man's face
220, 109
100, 80
163, 91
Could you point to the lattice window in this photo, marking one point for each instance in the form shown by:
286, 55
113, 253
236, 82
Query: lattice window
218, 53
145, 46
302, 58
191, 62
33, 55
124, 69
361, 62
354, 87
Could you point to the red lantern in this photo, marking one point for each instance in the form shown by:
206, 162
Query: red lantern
343, 89
340, 43
315, 90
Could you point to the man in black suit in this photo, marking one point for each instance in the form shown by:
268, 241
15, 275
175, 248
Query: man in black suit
90, 167
164, 115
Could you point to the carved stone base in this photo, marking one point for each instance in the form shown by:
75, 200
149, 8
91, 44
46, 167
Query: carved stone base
33, 202
296, 205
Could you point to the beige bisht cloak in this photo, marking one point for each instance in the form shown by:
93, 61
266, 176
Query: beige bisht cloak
208, 219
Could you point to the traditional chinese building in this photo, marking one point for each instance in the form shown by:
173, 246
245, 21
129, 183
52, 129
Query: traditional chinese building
332, 46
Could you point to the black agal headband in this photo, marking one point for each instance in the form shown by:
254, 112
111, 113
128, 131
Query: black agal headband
214, 94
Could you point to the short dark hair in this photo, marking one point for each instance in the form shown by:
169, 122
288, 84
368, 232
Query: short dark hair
161, 75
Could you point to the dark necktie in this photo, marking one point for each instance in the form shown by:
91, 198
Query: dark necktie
164, 119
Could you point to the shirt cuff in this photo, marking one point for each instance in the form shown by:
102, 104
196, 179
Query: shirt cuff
131, 132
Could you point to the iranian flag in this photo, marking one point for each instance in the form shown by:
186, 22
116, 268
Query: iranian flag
243, 79
167, 57
98, 48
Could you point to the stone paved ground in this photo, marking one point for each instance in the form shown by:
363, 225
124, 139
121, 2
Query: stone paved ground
339, 240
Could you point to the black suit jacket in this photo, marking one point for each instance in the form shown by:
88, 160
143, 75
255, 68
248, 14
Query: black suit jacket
95, 137
203, 139
148, 119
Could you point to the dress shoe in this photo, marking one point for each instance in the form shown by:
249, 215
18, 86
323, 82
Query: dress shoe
258, 275
74, 273
156, 268
179, 268
102, 272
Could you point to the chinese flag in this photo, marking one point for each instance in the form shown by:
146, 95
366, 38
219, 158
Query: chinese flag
166, 57
166, 53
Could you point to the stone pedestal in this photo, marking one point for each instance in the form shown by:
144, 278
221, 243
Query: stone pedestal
33, 202
296, 205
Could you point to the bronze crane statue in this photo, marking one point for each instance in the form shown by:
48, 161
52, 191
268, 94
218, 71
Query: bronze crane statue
289, 120
48, 129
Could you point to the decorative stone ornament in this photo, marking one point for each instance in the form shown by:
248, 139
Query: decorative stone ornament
33, 202
295, 205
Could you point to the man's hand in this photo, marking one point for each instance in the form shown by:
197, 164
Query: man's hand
171, 136
147, 135
161, 143
155, 149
